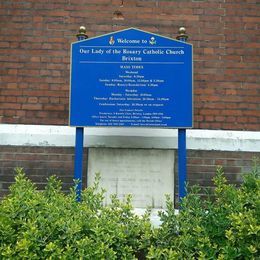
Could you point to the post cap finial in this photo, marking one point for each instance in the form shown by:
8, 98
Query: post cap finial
82, 32
82, 29
182, 33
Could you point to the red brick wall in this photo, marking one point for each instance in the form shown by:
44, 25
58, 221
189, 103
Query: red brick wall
42, 162
39, 163
35, 38
202, 165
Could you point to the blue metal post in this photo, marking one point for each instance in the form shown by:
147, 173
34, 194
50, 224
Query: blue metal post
182, 162
182, 153
78, 160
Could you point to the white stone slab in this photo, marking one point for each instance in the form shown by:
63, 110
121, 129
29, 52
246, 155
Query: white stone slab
147, 174
64, 136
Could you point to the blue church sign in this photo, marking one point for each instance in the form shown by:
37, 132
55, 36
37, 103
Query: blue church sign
131, 78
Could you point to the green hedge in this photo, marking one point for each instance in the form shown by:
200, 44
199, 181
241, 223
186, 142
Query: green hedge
52, 225
226, 228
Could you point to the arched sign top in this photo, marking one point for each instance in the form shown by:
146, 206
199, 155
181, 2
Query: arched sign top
134, 32
131, 78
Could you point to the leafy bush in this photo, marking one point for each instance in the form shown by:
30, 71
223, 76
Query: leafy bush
226, 228
52, 225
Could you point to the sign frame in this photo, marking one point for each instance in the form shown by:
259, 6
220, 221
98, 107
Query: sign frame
127, 126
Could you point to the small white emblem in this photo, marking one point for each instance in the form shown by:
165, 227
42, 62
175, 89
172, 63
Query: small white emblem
111, 40
152, 41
